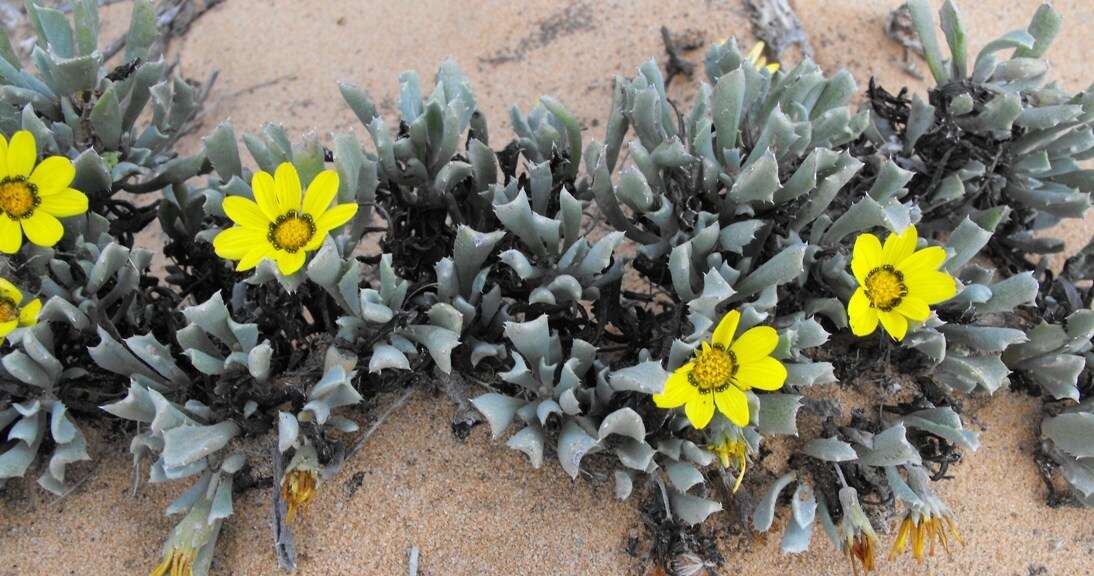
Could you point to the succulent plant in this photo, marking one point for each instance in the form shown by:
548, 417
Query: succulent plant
660, 308
120, 125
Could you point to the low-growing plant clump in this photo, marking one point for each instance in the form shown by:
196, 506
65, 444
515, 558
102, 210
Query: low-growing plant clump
656, 310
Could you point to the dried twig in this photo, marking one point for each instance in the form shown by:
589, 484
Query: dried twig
676, 64
266, 84
174, 19
900, 29
413, 562
284, 544
401, 401
775, 22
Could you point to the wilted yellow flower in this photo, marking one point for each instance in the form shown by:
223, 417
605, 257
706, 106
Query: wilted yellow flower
33, 198
922, 529
13, 312
177, 562
191, 533
732, 451
721, 371
860, 541
300, 481
759, 61
298, 490
897, 283
281, 223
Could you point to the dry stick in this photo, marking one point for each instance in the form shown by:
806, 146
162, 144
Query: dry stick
413, 561
775, 22
676, 64
261, 85
376, 425
77, 485
284, 544
164, 21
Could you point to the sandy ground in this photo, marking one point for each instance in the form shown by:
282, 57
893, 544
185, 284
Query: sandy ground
474, 507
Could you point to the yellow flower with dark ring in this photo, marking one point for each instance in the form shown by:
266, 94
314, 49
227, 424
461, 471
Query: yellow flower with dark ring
33, 195
721, 371
282, 223
897, 283
14, 312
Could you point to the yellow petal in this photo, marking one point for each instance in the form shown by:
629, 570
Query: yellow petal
9, 291
862, 316
28, 316
3, 156
866, 256
22, 154
766, 373
913, 308
7, 327
755, 343
245, 212
336, 216
287, 185
320, 193
235, 242
256, 255
733, 404
11, 235
896, 325
64, 203
677, 391
54, 173
316, 240
42, 228
265, 192
899, 246
289, 262
925, 260
931, 287
755, 53
727, 328
699, 410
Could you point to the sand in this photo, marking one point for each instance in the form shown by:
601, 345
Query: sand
473, 506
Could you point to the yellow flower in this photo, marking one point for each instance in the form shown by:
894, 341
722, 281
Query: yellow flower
859, 539
924, 528
33, 198
722, 371
13, 312
759, 61
176, 562
897, 283
281, 223
732, 450
300, 481
190, 535
298, 490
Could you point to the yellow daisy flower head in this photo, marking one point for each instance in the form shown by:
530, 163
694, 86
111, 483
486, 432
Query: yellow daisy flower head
282, 223
759, 61
33, 195
14, 313
721, 371
923, 530
756, 57
897, 283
